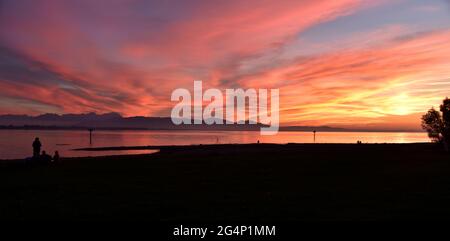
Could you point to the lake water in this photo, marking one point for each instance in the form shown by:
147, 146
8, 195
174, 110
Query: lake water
17, 143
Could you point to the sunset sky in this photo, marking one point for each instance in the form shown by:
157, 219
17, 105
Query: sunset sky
348, 63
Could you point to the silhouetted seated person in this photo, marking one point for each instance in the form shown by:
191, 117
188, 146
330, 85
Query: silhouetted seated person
45, 158
56, 157
36, 148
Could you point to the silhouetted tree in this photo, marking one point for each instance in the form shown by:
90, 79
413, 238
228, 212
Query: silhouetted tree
438, 125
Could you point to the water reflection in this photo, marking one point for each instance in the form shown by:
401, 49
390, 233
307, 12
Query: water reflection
17, 143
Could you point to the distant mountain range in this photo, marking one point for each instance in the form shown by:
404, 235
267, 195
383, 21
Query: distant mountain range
114, 121
106, 121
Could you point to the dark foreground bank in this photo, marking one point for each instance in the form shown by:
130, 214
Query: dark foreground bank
237, 183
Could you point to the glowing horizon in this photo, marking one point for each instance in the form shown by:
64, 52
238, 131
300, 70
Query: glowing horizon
345, 63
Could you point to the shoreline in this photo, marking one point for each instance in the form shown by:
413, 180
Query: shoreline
159, 148
168, 147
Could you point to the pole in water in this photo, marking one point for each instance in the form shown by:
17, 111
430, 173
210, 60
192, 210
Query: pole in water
90, 135
314, 132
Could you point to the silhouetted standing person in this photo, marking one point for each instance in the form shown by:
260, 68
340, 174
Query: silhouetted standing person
56, 157
36, 148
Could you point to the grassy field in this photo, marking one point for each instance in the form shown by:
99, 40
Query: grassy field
258, 182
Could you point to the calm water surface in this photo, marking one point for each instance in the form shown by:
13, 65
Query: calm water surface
17, 143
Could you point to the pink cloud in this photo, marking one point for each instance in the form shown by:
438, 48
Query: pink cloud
124, 61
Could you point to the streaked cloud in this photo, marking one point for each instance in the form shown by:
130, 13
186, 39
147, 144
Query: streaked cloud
335, 62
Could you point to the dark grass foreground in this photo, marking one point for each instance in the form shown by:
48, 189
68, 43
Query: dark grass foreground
264, 183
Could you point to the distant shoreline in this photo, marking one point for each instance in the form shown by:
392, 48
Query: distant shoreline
282, 129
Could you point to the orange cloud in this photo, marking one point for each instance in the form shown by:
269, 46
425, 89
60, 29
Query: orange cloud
129, 56
400, 77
